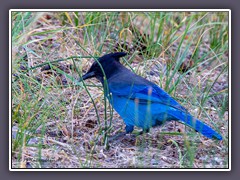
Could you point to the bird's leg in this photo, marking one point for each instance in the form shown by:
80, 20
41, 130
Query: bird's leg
129, 128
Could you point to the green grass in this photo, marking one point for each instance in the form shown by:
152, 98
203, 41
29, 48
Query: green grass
158, 43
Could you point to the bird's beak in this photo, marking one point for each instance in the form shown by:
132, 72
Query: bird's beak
88, 75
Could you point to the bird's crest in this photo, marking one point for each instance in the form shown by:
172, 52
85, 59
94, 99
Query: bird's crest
117, 55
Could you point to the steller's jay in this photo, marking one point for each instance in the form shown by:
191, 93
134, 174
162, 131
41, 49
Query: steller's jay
138, 101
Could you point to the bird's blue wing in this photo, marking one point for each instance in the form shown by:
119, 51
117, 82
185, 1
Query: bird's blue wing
144, 93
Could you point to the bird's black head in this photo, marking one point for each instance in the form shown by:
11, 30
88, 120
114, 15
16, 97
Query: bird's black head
109, 63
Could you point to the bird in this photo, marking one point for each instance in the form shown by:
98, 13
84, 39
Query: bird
138, 101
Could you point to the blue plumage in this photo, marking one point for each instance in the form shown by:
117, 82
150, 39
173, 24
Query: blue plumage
140, 102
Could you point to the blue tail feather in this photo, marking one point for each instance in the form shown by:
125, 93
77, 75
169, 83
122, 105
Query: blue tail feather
196, 124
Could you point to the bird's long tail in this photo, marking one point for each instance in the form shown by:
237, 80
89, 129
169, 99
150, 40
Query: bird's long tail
196, 124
